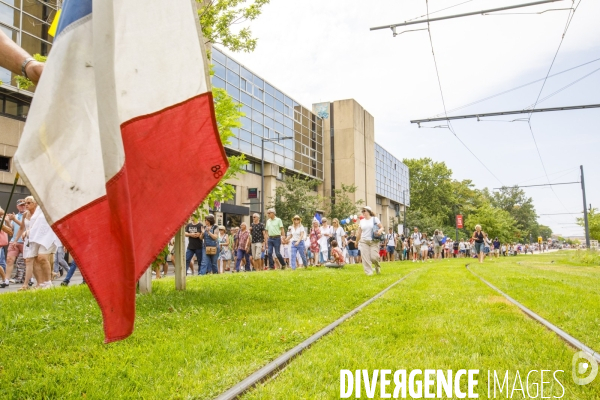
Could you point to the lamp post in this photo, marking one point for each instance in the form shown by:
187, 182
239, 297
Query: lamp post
404, 215
262, 168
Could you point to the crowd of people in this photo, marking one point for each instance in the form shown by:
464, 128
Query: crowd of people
33, 248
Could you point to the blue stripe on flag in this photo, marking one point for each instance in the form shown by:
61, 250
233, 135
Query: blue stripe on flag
72, 11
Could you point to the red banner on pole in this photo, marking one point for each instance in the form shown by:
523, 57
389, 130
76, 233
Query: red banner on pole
459, 221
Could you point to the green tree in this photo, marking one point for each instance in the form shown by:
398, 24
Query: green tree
340, 205
494, 221
593, 223
544, 231
228, 113
296, 196
218, 16
514, 201
430, 187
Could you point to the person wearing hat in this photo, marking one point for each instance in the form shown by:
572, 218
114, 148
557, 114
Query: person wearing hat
275, 230
296, 235
368, 229
225, 253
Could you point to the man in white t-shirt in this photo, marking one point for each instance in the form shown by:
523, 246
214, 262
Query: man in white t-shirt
416, 241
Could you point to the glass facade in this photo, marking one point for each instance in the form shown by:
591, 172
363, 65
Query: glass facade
270, 113
27, 23
391, 177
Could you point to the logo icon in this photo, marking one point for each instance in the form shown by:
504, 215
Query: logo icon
581, 367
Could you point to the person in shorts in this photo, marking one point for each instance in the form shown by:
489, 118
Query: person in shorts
390, 239
416, 238
352, 248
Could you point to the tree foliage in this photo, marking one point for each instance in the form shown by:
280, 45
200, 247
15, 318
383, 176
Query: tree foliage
593, 223
296, 196
435, 199
340, 205
228, 113
217, 17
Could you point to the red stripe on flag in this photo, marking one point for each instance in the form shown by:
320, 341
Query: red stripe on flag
170, 159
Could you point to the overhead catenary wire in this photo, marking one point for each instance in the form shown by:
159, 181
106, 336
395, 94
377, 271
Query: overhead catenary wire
569, 19
443, 100
516, 88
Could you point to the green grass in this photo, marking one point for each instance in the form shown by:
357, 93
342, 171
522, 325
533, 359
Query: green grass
192, 344
564, 294
441, 317
584, 257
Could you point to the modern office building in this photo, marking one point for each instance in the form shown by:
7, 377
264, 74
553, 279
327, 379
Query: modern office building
27, 23
331, 142
334, 143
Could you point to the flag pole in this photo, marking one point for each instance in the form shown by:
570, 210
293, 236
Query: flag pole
9, 199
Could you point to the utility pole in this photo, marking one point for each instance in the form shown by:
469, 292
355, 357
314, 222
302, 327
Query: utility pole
404, 204
585, 213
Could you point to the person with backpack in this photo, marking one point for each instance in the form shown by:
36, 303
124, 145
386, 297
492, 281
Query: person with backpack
437, 245
416, 238
368, 237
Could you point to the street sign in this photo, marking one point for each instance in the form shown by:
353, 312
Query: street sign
459, 221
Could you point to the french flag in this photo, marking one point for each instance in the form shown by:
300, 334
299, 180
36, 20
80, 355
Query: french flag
121, 143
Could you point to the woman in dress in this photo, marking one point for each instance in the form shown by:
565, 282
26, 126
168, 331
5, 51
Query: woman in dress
225, 254
369, 227
315, 236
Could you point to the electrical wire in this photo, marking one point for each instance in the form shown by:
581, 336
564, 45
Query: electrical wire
434, 12
444, 102
516, 88
569, 19
563, 88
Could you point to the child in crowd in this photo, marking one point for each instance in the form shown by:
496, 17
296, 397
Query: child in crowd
337, 256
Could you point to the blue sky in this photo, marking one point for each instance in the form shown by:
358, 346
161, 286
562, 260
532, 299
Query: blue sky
322, 51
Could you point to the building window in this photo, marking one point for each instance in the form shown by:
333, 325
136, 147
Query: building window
5, 164
378, 200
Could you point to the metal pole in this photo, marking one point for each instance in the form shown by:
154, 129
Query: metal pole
463, 15
499, 113
404, 201
585, 214
262, 178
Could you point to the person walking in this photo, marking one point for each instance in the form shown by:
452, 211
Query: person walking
15, 247
259, 238
368, 228
242, 247
210, 246
296, 234
390, 239
276, 232
478, 236
437, 245
193, 231
424, 247
225, 253
5, 232
41, 243
416, 238
326, 237
352, 248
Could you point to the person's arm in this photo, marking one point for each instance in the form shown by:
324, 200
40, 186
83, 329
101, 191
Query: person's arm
7, 229
266, 235
12, 58
358, 234
213, 236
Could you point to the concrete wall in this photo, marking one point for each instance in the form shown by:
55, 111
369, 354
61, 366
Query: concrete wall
10, 134
354, 150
